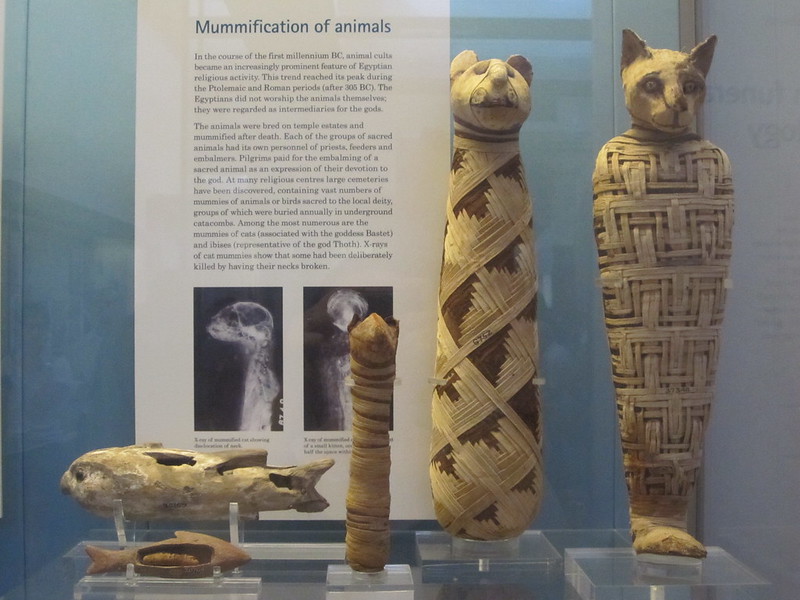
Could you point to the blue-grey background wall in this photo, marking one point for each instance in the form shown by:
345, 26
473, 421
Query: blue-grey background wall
752, 483
68, 257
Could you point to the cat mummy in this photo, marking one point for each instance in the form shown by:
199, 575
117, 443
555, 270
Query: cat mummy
249, 326
486, 454
663, 218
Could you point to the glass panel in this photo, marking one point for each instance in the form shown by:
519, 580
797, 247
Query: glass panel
68, 213
752, 482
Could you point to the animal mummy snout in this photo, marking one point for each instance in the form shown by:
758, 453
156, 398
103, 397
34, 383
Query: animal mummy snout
64, 485
485, 97
498, 74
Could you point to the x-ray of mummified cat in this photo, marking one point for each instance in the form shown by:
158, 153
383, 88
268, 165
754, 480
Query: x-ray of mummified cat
250, 326
663, 216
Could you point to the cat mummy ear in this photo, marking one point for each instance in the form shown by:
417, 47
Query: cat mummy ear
461, 63
522, 65
633, 48
702, 54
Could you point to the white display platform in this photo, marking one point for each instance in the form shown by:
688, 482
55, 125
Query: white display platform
619, 574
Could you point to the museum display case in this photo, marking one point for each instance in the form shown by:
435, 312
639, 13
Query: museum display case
137, 310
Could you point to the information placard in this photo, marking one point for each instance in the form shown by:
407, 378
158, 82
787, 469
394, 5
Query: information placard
291, 172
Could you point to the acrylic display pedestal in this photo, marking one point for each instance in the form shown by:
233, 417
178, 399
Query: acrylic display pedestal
619, 574
309, 565
444, 558
395, 582
130, 586
561, 539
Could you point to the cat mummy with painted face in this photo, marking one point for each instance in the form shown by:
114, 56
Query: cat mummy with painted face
663, 88
663, 218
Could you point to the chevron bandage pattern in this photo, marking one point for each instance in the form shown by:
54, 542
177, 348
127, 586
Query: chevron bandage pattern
486, 460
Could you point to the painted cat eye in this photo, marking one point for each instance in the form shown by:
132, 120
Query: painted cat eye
692, 87
652, 85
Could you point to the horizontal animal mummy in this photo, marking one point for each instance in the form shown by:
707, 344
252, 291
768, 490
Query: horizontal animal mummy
156, 483
186, 556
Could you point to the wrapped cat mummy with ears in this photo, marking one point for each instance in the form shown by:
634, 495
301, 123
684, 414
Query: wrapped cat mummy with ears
663, 219
486, 466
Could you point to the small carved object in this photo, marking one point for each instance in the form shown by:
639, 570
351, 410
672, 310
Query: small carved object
486, 458
663, 215
186, 556
373, 346
156, 483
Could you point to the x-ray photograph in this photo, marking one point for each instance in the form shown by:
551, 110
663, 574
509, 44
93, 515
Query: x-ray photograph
326, 350
238, 354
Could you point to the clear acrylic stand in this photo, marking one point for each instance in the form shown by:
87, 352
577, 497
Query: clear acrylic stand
233, 524
395, 582
135, 587
119, 523
619, 574
561, 539
108, 586
446, 558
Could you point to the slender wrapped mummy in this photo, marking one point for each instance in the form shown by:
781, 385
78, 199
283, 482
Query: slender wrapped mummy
373, 346
663, 215
486, 461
